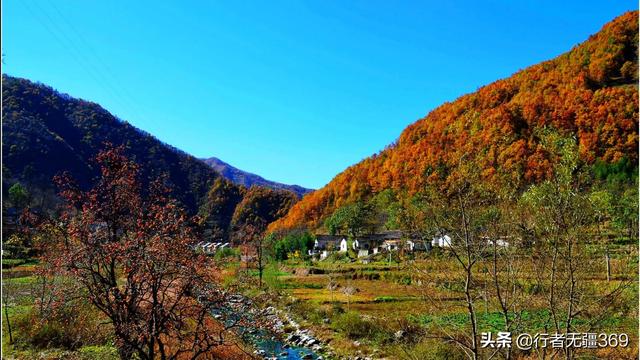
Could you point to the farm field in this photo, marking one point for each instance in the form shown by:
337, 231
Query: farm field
20, 289
412, 309
43, 328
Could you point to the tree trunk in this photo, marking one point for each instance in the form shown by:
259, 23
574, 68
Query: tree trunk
260, 262
6, 315
472, 314
607, 258
125, 352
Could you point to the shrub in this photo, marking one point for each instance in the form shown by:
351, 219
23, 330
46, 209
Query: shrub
226, 253
9, 263
337, 308
534, 288
99, 352
356, 327
338, 257
302, 308
70, 326
352, 325
430, 349
293, 245
412, 333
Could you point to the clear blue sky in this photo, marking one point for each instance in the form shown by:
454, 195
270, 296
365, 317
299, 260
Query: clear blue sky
294, 91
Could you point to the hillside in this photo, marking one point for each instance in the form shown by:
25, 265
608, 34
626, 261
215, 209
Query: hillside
46, 133
248, 179
589, 93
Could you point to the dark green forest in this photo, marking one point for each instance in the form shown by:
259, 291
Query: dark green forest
46, 133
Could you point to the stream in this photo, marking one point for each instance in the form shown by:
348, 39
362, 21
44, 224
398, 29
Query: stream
270, 341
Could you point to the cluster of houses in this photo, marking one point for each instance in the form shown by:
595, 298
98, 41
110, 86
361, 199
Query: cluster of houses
372, 244
364, 245
210, 248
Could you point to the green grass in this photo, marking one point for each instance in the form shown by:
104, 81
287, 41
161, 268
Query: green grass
10, 263
16, 310
106, 352
293, 285
24, 280
536, 320
102, 352
489, 321
267, 272
390, 294
380, 299
354, 326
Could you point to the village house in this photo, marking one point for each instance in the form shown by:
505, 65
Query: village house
420, 245
441, 240
363, 253
408, 245
367, 245
210, 248
397, 240
326, 244
499, 242
371, 244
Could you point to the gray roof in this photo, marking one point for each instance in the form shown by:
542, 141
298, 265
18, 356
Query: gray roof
324, 240
380, 237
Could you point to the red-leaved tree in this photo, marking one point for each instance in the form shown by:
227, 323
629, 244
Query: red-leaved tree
132, 256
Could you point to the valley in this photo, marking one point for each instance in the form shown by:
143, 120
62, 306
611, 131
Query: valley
510, 211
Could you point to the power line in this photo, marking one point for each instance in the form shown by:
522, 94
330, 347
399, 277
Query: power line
67, 44
87, 45
86, 62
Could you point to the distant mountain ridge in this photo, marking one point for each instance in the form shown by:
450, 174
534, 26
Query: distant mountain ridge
248, 179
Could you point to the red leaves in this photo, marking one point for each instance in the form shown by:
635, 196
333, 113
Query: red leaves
131, 255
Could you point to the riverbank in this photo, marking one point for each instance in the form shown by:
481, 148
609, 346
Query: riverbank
274, 334
380, 310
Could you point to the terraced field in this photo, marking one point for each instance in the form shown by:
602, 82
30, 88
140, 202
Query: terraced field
410, 309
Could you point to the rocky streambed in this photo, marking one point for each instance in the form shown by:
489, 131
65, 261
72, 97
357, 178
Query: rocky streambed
273, 334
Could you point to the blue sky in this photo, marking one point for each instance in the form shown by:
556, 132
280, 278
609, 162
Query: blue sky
294, 91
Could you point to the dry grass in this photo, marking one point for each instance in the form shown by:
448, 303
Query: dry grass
393, 293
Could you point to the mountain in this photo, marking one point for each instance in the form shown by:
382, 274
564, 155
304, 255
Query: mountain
589, 93
233, 212
247, 179
46, 133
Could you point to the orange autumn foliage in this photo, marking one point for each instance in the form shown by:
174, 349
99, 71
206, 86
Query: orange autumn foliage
589, 93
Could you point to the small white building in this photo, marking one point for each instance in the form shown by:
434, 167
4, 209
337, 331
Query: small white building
363, 253
365, 243
443, 241
324, 254
324, 245
210, 248
391, 245
498, 242
344, 246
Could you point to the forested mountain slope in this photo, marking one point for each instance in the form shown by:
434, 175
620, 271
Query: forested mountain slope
46, 133
589, 93
248, 179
